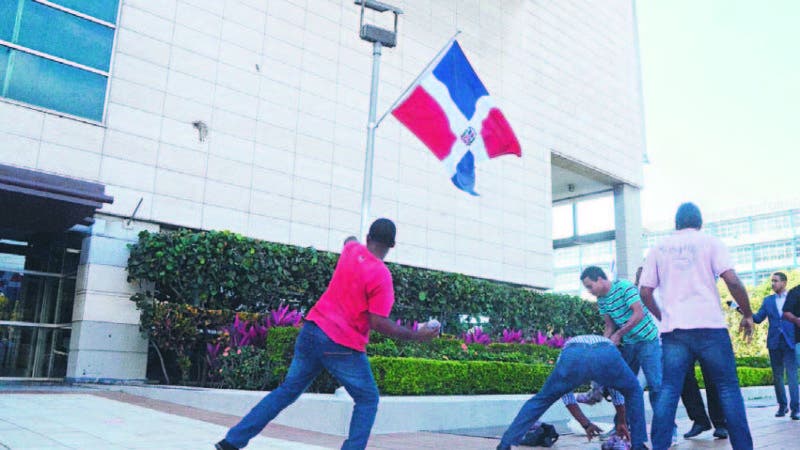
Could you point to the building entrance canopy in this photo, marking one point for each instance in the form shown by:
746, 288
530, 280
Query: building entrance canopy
35, 202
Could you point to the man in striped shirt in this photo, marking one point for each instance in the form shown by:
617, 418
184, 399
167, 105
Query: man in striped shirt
584, 359
628, 321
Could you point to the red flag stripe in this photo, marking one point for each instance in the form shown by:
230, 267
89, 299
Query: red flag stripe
422, 115
498, 137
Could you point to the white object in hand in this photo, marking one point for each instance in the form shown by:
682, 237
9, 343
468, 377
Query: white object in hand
432, 324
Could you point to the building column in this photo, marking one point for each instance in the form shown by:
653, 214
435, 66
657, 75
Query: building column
106, 344
628, 223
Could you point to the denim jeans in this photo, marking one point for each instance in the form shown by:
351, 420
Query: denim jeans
579, 364
712, 347
314, 351
693, 400
646, 355
784, 358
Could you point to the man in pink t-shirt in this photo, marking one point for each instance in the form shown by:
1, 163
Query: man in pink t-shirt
334, 337
684, 267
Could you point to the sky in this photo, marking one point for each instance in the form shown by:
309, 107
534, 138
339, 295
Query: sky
721, 81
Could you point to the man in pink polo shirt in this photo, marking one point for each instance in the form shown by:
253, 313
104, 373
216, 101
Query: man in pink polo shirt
334, 337
684, 267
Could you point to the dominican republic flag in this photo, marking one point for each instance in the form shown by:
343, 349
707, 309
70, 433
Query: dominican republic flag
451, 112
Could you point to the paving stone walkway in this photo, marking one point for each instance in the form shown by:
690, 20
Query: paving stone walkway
63, 419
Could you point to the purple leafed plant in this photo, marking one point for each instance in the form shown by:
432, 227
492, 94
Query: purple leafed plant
512, 336
282, 317
212, 353
241, 334
477, 336
557, 341
539, 338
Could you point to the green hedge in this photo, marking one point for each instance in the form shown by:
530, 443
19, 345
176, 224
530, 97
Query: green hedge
748, 376
474, 373
415, 376
753, 361
226, 271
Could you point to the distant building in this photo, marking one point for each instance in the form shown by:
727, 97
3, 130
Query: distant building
761, 240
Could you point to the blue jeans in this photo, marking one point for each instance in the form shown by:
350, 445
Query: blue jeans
579, 364
313, 351
646, 355
712, 347
784, 358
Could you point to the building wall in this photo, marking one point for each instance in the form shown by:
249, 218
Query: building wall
283, 87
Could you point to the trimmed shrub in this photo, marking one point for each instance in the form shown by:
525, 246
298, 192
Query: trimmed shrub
748, 376
753, 361
226, 271
414, 376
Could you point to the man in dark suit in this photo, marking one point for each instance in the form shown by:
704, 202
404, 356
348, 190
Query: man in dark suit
781, 345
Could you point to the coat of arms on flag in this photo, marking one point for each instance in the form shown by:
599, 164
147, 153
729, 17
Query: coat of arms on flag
452, 113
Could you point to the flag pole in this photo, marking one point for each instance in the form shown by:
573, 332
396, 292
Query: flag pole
433, 62
366, 193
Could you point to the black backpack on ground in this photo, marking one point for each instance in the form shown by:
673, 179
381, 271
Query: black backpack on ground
540, 435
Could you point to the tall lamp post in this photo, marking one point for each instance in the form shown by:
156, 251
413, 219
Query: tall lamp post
379, 37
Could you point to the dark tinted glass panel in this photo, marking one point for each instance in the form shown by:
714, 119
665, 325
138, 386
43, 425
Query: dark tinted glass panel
65, 35
8, 18
101, 9
52, 85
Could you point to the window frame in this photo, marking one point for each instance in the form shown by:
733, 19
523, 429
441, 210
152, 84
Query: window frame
107, 74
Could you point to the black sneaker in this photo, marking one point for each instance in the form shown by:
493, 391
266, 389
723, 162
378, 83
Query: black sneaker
721, 433
781, 412
696, 429
795, 416
503, 447
224, 445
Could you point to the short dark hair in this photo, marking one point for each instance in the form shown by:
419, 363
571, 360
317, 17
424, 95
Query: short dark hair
688, 216
780, 275
382, 231
593, 273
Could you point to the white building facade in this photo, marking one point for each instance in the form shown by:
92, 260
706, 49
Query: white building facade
250, 115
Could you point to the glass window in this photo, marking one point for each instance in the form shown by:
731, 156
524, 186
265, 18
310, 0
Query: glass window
775, 223
67, 36
774, 251
52, 85
566, 256
732, 229
562, 221
742, 255
53, 52
102, 9
596, 215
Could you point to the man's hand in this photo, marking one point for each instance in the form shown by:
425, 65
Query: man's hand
592, 430
425, 334
622, 431
615, 338
746, 327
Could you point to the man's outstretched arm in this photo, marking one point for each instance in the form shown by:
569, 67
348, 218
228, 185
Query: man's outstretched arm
387, 326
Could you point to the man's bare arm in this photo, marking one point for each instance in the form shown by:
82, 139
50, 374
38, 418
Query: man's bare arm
591, 429
739, 294
610, 326
386, 326
738, 291
646, 293
636, 317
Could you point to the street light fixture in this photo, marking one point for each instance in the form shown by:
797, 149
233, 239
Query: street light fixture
379, 37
